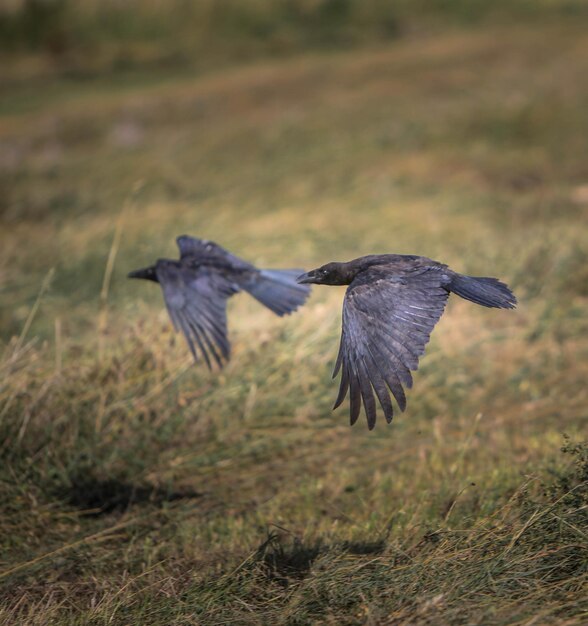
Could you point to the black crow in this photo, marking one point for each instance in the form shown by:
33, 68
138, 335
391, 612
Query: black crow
196, 289
391, 305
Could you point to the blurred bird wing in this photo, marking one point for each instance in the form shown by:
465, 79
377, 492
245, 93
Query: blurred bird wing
196, 300
190, 246
199, 251
387, 321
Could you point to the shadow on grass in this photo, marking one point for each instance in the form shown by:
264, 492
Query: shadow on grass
97, 497
293, 561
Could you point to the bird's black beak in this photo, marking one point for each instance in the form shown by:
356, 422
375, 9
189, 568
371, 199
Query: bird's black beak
307, 278
147, 273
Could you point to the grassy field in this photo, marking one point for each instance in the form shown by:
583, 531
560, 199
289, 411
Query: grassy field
137, 488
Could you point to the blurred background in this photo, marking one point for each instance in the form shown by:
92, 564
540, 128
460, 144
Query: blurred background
137, 486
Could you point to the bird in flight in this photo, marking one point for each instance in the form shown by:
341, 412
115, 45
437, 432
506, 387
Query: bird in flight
391, 305
197, 286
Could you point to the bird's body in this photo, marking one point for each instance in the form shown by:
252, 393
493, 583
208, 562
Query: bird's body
391, 305
196, 288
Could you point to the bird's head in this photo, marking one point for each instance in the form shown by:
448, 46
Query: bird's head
147, 273
329, 274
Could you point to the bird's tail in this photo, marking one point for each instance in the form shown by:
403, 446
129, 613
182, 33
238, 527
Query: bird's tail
482, 290
278, 290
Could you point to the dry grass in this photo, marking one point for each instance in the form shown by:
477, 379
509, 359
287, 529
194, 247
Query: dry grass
136, 488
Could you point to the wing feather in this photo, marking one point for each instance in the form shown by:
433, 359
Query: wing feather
379, 382
343, 387
196, 299
354, 396
387, 321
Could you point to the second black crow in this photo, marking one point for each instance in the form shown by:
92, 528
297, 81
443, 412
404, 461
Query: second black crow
391, 305
197, 286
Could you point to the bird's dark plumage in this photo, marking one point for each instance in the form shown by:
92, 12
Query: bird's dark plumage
391, 305
197, 286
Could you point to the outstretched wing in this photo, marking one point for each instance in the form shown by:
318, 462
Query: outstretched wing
196, 300
203, 251
387, 321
